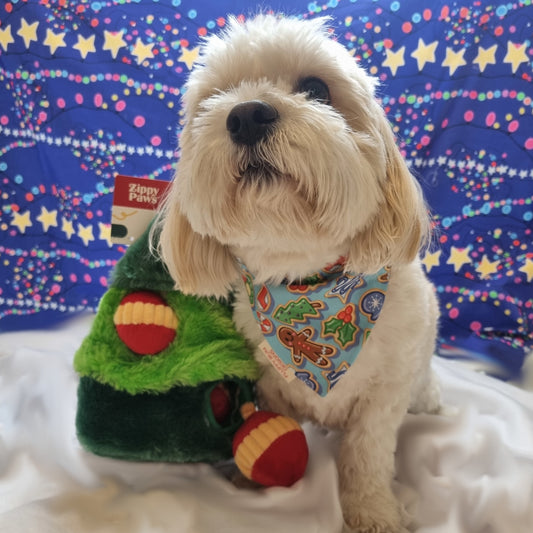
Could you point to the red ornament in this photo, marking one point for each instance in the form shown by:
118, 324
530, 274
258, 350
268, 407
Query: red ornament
145, 323
220, 404
270, 449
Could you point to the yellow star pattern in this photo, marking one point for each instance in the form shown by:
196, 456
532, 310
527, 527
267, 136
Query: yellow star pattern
105, 233
486, 56
85, 45
142, 51
431, 260
85, 233
54, 40
22, 221
67, 227
516, 54
6, 37
486, 267
47, 218
454, 60
458, 258
394, 59
28, 32
425, 53
189, 56
527, 269
113, 41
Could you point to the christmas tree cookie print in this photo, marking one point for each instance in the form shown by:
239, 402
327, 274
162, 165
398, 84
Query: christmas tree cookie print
298, 311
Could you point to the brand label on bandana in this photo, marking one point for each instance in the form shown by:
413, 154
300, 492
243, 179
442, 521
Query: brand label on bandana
315, 330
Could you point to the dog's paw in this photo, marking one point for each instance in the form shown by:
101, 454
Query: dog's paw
380, 513
428, 399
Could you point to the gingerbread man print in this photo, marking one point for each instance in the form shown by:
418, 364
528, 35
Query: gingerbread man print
302, 348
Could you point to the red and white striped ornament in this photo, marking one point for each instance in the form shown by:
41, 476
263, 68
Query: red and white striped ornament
145, 323
269, 448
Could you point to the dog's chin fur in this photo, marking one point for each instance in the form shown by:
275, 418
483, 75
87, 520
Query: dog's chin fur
326, 181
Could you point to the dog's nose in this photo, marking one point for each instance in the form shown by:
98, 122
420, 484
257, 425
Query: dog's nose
249, 122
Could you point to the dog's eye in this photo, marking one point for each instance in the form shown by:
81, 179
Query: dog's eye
315, 89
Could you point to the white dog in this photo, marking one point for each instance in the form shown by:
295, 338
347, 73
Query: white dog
290, 179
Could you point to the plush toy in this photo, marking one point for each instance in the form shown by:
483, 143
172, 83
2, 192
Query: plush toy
270, 449
162, 374
164, 377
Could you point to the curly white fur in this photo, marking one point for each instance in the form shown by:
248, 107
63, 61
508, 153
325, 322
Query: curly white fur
327, 181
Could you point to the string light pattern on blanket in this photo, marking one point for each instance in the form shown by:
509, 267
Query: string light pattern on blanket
92, 89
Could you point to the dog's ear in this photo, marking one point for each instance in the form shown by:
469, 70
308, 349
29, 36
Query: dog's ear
198, 264
401, 226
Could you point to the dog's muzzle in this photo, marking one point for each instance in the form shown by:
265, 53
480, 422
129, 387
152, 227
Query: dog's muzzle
249, 122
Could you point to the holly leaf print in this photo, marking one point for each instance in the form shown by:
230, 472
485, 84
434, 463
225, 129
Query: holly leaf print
332, 325
346, 334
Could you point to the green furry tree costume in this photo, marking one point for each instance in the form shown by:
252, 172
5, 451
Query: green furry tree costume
178, 404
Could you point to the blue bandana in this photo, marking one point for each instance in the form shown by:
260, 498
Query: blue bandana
315, 329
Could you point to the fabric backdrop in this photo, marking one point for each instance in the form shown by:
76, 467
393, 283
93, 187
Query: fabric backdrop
89, 89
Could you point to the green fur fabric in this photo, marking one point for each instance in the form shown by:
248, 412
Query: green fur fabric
207, 347
172, 427
140, 269
156, 407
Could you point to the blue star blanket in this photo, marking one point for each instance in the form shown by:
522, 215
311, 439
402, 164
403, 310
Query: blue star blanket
91, 89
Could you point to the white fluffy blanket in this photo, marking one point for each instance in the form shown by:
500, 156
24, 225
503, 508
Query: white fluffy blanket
470, 471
